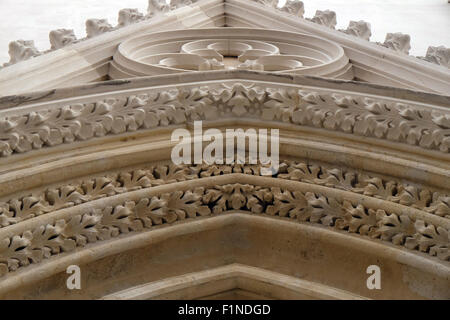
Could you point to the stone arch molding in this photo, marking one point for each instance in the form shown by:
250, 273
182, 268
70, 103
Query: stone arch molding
80, 173
72, 61
386, 120
86, 176
238, 281
109, 212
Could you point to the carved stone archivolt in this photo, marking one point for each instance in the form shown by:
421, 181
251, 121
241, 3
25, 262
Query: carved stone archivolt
74, 193
42, 220
400, 122
86, 173
68, 229
53, 220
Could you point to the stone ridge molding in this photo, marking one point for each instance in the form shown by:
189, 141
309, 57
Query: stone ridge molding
359, 116
395, 41
62, 37
47, 199
86, 61
372, 62
86, 175
21, 50
173, 288
78, 62
65, 230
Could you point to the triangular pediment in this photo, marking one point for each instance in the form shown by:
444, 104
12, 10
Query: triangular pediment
75, 62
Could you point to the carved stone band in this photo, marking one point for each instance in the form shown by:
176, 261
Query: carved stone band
72, 193
397, 121
33, 241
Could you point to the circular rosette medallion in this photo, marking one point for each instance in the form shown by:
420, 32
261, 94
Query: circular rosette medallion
229, 48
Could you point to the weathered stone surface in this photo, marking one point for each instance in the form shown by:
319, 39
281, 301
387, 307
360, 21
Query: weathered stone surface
129, 16
94, 27
157, 7
294, 7
87, 175
398, 42
61, 37
326, 18
360, 29
22, 50
439, 55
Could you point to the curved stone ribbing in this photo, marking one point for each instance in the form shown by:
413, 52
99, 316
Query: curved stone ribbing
62, 231
229, 48
48, 199
357, 116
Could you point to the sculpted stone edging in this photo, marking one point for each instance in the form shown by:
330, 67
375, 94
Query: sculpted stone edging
427, 128
52, 199
395, 41
21, 50
438, 55
293, 200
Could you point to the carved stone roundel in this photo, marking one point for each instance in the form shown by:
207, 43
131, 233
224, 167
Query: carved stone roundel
228, 48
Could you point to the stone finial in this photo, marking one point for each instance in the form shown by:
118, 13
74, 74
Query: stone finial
438, 55
129, 16
94, 27
21, 50
157, 6
326, 18
61, 37
360, 29
294, 7
398, 42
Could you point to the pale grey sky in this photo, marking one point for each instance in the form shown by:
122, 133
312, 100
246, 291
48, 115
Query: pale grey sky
427, 21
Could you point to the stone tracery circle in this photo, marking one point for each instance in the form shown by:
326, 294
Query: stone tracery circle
229, 48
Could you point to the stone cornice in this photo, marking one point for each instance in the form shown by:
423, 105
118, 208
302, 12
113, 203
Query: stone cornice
391, 67
395, 41
87, 61
133, 85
